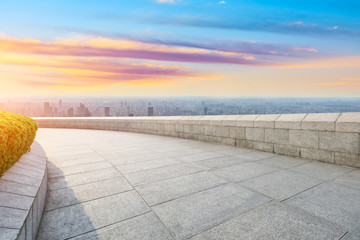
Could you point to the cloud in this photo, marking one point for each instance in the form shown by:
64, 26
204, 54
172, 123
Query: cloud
166, 1
103, 47
342, 82
222, 2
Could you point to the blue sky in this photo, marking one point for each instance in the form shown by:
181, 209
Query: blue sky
302, 38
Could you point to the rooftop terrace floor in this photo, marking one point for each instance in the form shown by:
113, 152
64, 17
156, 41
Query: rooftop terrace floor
118, 185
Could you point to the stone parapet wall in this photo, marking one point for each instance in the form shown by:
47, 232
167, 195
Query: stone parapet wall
327, 137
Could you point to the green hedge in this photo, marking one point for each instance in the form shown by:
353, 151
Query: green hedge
17, 133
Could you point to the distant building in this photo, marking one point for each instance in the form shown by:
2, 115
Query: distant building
150, 111
70, 112
205, 111
107, 111
47, 109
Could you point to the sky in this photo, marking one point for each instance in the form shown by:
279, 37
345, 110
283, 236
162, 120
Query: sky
241, 48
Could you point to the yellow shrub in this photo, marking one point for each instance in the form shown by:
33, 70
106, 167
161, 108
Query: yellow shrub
17, 133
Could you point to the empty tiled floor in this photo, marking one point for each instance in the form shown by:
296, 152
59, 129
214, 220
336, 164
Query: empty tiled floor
118, 185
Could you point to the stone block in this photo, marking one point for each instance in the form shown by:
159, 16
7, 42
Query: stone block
304, 138
287, 150
255, 134
318, 155
15, 201
12, 218
228, 141
289, 121
29, 225
209, 130
216, 139
267, 147
17, 188
237, 132
231, 120
347, 159
222, 131
188, 128
7, 233
278, 136
243, 143
266, 120
188, 216
339, 142
320, 121
246, 120
348, 122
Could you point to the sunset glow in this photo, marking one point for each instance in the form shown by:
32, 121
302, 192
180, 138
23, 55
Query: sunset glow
180, 47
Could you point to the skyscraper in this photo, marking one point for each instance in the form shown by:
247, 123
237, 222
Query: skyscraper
47, 109
107, 111
150, 111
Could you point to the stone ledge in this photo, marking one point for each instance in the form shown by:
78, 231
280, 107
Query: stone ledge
327, 137
22, 195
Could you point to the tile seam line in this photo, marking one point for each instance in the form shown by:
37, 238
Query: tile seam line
151, 210
50, 177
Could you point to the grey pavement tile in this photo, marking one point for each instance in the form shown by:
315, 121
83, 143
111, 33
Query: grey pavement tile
86, 192
17, 188
334, 202
183, 151
79, 161
220, 162
6, 233
273, 221
321, 170
199, 156
351, 179
244, 171
254, 155
12, 218
82, 178
22, 179
159, 174
281, 184
167, 190
15, 201
187, 216
78, 219
283, 161
142, 166
58, 172
144, 227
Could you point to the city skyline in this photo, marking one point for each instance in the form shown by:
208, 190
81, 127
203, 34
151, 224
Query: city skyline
180, 48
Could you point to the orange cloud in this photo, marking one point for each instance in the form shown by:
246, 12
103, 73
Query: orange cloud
344, 81
334, 62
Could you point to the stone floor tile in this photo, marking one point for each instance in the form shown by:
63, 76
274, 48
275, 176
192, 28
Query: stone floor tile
58, 172
273, 221
162, 173
86, 192
144, 227
281, 184
82, 178
219, 162
321, 170
187, 216
12, 218
244, 171
142, 166
334, 202
81, 218
351, 179
173, 188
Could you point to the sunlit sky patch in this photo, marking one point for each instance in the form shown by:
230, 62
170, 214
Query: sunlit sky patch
180, 47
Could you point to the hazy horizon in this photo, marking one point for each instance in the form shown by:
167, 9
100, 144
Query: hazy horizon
180, 48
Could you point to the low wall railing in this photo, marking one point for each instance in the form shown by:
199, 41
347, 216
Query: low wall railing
327, 137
